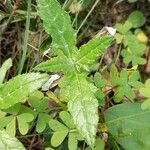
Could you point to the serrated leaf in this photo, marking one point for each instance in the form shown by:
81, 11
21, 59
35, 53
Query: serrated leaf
5, 66
89, 52
11, 127
56, 125
9, 143
129, 125
58, 137
82, 100
57, 23
56, 64
72, 141
67, 119
18, 88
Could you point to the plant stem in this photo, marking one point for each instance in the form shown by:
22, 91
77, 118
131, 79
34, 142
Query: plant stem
83, 22
25, 44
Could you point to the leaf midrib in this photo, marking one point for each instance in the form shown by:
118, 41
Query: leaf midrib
127, 117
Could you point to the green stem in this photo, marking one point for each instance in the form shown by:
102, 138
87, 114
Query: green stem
25, 45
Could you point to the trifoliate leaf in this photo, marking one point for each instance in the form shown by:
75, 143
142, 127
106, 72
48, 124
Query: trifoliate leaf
89, 52
134, 52
124, 84
57, 23
137, 19
18, 88
9, 143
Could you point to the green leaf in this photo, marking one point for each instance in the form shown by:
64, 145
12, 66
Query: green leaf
23, 122
5, 66
137, 19
57, 23
72, 141
135, 50
81, 101
129, 125
11, 127
49, 148
18, 88
67, 119
38, 101
9, 143
98, 80
132, 1
99, 145
145, 91
58, 137
56, 64
124, 83
56, 125
89, 52
13, 109
5, 121
123, 28
43, 120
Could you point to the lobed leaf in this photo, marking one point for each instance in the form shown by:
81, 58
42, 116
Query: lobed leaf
89, 52
18, 88
56, 64
57, 23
